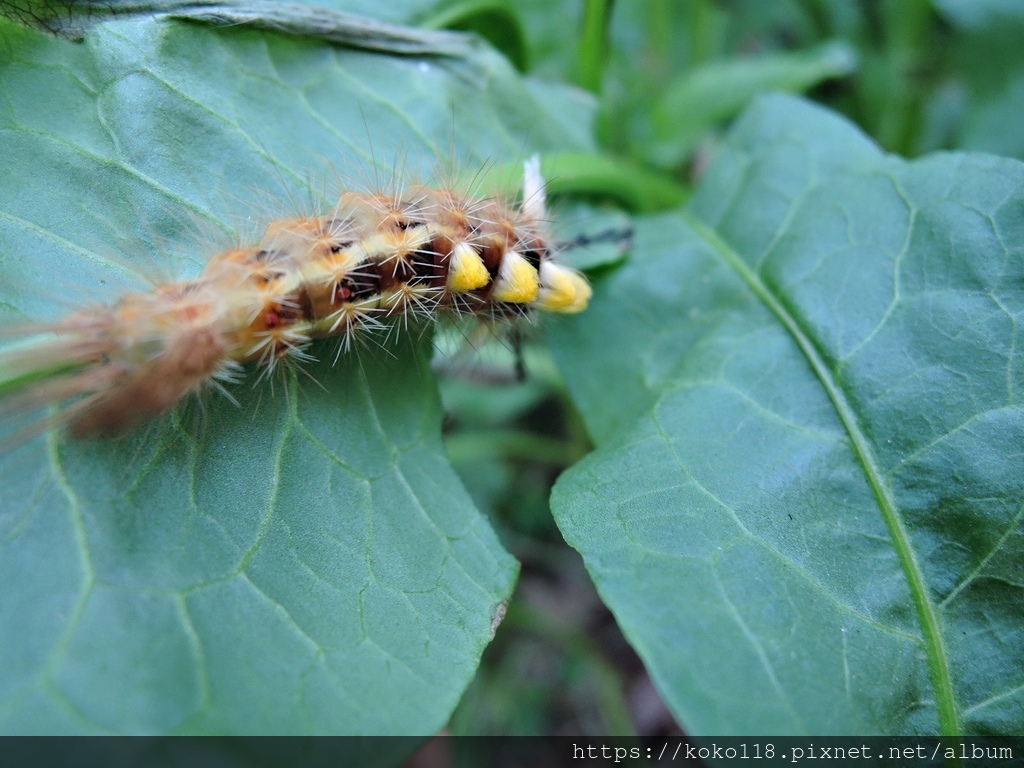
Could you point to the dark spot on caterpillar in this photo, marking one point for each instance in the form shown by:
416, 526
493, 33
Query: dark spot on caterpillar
340, 246
533, 257
492, 254
405, 224
305, 304
395, 271
296, 307
265, 256
440, 249
365, 280
427, 267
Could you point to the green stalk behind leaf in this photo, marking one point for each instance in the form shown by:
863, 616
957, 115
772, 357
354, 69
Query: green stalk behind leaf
577, 173
710, 94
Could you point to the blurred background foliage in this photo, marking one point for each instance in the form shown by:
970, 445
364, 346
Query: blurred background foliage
917, 75
668, 76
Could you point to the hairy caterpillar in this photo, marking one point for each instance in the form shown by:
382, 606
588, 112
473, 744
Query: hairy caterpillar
375, 258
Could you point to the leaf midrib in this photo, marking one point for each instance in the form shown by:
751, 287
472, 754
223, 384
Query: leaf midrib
934, 646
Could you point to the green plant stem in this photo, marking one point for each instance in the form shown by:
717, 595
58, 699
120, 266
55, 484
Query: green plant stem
702, 32
593, 50
818, 16
635, 187
907, 24
577, 173
659, 29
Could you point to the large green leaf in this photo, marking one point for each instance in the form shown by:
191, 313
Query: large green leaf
307, 562
806, 504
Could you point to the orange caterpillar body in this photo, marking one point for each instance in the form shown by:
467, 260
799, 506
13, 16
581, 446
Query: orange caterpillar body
419, 252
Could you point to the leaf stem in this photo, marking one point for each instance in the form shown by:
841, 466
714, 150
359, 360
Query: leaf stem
578, 173
702, 32
907, 28
593, 53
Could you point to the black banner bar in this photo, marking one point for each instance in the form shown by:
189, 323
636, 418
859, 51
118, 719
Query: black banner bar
508, 752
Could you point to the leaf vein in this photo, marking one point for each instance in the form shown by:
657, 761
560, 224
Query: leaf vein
928, 612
